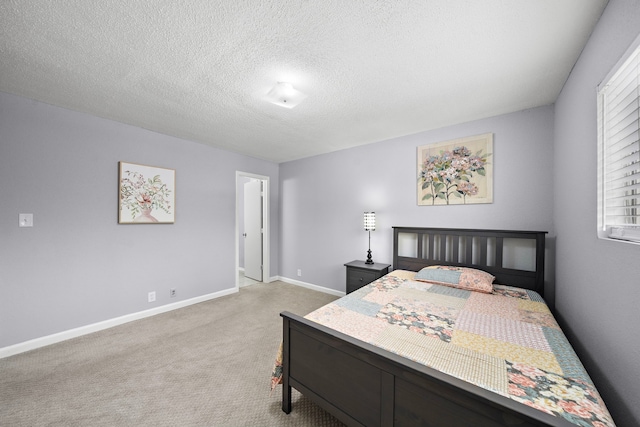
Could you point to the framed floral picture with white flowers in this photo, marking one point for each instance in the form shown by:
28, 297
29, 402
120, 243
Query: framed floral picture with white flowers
456, 172
146, 194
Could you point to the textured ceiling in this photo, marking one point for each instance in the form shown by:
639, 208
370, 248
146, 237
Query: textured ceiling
372, 70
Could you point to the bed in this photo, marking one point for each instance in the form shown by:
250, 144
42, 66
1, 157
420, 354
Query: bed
402, 351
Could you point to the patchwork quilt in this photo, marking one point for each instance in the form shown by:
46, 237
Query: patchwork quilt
506, 341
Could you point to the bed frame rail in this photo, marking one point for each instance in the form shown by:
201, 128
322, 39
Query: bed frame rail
363, 385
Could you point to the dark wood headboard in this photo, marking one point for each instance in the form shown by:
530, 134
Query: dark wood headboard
482, 249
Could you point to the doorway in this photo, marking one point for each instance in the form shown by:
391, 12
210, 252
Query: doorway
252, 241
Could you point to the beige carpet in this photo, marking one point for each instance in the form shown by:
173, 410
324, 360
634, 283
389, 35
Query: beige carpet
204, 365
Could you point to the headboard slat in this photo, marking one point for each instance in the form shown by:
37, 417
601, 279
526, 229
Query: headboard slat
455, 249
469, 251
499, 250
483, 251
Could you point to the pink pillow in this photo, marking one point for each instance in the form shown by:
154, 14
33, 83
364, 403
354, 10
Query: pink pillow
465, 278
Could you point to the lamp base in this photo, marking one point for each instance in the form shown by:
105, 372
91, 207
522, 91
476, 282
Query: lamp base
369, 260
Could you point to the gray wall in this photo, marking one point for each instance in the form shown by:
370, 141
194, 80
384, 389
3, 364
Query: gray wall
598, 281
77, 266
323, 197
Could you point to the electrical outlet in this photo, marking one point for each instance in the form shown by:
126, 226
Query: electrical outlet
299, 273
172, 292
152, 296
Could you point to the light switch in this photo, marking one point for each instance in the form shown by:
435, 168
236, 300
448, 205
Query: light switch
26, 220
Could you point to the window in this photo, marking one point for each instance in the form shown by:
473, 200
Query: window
619, 149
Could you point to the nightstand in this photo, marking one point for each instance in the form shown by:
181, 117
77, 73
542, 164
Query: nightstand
359, 273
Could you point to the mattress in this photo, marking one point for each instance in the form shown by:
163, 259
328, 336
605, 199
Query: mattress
506, 341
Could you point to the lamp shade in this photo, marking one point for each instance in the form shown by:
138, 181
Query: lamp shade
369, 221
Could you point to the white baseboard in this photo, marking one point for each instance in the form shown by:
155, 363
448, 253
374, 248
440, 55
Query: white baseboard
311, 286
95, 327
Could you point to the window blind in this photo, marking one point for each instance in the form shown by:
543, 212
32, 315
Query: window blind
619, 150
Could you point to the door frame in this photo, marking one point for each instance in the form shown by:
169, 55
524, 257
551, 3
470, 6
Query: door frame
266, 233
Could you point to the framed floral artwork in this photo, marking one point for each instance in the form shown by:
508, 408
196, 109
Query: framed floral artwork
146, 194
456, 172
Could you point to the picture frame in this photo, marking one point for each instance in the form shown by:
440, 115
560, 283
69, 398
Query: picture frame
146, 194
456, 172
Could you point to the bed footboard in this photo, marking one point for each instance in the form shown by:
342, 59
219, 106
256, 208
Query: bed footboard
363, 385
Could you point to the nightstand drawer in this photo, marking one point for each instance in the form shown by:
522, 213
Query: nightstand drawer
360, 273
358, 278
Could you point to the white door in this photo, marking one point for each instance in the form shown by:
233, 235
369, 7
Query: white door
253, 230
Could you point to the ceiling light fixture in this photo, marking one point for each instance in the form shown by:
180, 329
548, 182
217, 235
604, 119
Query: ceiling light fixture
285, 95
